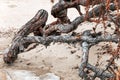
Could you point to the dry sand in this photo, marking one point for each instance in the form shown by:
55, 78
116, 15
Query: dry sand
56, 58
59, 58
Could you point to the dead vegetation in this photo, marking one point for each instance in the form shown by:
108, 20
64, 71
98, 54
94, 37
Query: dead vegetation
97, 11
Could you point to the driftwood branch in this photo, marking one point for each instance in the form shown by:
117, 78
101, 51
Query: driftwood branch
87, 39
37, 21
61, 6
86, 36
65, 28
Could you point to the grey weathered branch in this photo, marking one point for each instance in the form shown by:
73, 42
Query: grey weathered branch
65, 28
61, 6
16, 47
19, 46
87, 38
85, 49
99, 72
39, 20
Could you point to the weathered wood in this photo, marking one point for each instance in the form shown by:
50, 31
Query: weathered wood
61, 6
59, 10
70, 38
86, 37
38, 21
63, 25
65, 28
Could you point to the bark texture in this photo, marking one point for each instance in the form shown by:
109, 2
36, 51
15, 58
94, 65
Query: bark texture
45, 34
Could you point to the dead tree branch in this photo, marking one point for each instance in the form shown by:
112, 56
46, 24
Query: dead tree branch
65, 28
61, 6
87, 38
38, 21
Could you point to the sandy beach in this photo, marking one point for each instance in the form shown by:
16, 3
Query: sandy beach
60, 58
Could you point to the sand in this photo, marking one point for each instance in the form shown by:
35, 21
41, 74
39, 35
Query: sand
60, 58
